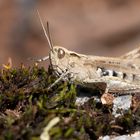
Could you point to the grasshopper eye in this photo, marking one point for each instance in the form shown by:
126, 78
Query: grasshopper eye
61, 53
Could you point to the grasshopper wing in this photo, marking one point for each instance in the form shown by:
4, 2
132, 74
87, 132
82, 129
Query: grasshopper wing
134, 54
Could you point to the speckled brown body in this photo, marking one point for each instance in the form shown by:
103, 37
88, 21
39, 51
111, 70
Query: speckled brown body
112, 75
117, 75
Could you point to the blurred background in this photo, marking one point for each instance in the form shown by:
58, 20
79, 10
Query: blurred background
105, 27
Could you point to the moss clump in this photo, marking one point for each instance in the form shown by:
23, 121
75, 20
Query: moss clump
26, 108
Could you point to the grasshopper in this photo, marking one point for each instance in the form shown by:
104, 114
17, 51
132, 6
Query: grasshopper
119, 75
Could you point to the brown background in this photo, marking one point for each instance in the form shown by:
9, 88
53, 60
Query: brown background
97, 27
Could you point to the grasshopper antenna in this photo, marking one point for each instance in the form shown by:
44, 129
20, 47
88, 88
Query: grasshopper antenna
46, 35
49, 35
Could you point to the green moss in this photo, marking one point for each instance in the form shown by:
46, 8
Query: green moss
26, 108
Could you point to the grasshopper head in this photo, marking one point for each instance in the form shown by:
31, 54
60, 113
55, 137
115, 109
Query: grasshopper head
58, 55
59, 59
